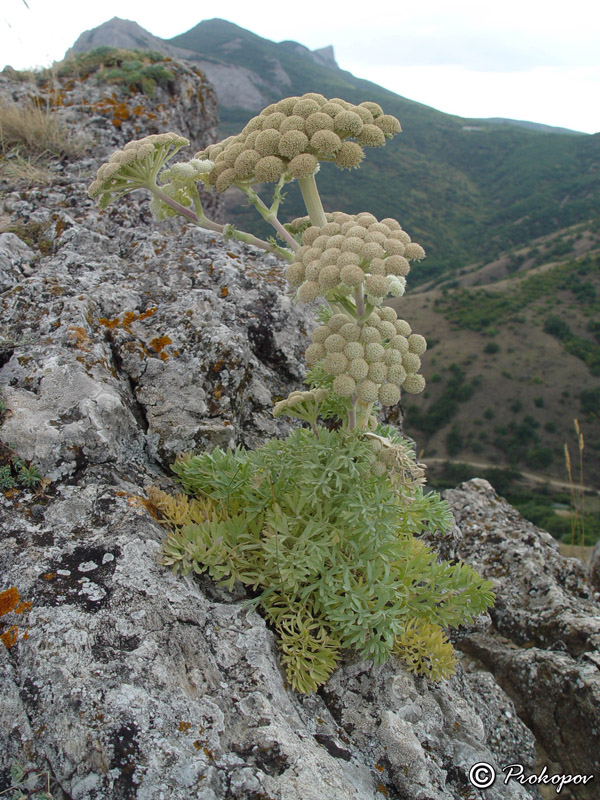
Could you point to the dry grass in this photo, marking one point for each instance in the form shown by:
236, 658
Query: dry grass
582, 552
36, 131
30, 138
24, 171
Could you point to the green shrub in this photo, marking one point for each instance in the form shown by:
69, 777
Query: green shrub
589, 400
454, 441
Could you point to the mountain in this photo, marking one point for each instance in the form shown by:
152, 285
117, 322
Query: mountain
466, 189
121, 33
509, 213
533, 126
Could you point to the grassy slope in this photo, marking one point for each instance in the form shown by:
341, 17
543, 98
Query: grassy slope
463, 194
515, 357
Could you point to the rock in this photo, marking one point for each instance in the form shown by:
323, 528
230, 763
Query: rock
133, 684
544, 645
116, 32
15, 260
103, 118
129, 343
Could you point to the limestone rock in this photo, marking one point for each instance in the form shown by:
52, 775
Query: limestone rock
15, 260
594, 567
105, 118
544, 645
128, 343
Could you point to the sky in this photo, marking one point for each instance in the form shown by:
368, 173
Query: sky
519, 59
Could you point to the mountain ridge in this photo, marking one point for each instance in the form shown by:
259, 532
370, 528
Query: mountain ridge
492, 206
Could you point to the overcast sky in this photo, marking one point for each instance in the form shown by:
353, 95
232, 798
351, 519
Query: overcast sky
521, 59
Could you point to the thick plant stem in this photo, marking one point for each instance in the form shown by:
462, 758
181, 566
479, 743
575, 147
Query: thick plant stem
359, 299
204, 222
312, 200
270, 216
352, 414
364, 410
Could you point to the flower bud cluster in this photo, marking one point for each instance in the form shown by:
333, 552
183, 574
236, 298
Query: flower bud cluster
352, 251
397, 461
135, 166
179, 183
304, 405
293, 135
371, 361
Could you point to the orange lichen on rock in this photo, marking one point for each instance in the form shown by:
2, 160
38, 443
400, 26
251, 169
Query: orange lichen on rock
24, 605
79, 337
111, 105
128, 318
9, 600
159, 343
9, 637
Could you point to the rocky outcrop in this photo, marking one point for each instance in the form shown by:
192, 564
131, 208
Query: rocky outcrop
123, 33
595, 567
104, 117
237, 86
544, 644
124, 343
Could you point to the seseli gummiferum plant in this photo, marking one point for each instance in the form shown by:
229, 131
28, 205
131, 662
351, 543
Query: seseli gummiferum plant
323, 526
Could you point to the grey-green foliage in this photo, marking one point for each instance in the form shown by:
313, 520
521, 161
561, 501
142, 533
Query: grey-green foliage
17, 471
28, 783
6, 477
29, 476
330, 549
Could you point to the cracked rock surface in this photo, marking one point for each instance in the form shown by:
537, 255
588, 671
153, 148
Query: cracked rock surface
123, 344
543, 647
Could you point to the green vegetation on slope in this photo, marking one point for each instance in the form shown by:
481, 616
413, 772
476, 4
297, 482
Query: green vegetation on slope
465, 189
547, 508
478, 309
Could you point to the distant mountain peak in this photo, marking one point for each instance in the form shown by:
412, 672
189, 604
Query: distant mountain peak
323, 55
117, 32
327, 54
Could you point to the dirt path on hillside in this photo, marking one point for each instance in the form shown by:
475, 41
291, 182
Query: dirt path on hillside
526, 475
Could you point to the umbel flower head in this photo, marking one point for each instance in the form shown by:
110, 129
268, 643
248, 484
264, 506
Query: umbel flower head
373, 360
293, 135
352, 251
136, 166
375, 357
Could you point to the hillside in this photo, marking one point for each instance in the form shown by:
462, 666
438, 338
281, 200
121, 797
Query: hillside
509, 215
465, 189
513, 360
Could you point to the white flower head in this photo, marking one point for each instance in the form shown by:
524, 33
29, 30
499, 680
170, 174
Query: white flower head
136, 166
